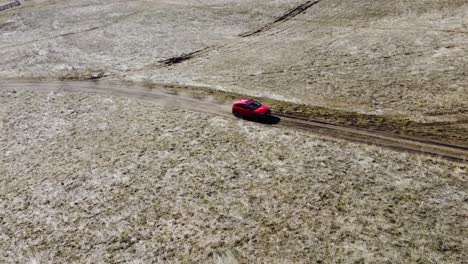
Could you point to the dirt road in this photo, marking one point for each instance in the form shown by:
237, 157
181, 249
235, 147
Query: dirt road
212, 106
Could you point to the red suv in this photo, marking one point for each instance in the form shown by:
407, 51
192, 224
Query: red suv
250, 108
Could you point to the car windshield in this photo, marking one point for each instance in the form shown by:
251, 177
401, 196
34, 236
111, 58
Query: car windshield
255, 105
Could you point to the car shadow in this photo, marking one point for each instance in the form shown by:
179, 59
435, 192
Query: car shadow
269, 120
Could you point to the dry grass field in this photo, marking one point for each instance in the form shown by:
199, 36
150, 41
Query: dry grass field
99, 179
382, 57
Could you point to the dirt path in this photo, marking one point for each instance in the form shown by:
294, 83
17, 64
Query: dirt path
212, 106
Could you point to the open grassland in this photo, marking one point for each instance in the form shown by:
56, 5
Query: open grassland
66, 39
452, 131
108, 179
99, 178
382, 57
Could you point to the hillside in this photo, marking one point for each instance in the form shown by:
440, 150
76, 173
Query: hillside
382, 57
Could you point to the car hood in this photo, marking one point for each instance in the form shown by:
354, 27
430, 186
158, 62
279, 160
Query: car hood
262, 109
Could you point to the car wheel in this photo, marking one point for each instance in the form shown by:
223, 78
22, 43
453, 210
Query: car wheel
235, 113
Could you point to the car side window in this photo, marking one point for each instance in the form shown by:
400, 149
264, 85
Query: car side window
242, 106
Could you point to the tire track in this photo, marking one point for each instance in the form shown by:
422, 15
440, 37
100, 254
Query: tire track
287, 16
10, 5
170, 98
187, 56
184, 56
116, 21
382, 139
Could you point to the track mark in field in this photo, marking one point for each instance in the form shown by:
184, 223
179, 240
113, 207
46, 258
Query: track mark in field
118, 20
445, 123
287, 16
10, 5
183, 57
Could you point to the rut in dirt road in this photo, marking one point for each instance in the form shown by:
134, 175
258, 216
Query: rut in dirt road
287, 16
163, 96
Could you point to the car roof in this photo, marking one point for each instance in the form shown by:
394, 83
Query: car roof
244, 101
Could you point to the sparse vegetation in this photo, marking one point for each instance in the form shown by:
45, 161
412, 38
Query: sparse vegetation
93, 178
455, 132
107, 179
371, 57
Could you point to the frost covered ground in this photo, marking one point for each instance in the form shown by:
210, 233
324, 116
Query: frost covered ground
107, 179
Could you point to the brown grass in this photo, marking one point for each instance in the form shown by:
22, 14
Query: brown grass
451, 132
106, 179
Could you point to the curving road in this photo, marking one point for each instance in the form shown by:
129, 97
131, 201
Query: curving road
212, 106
